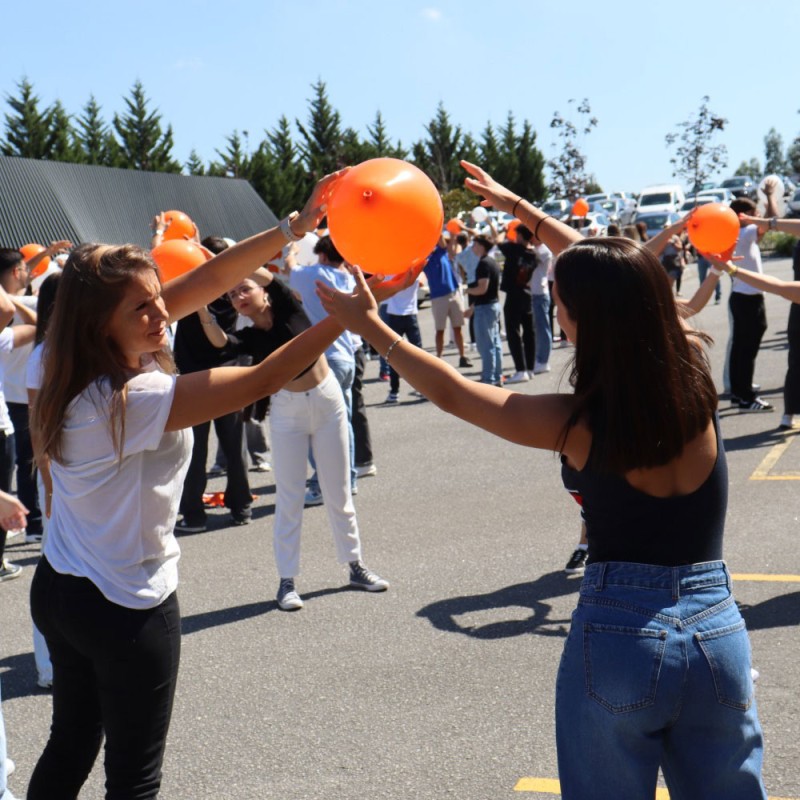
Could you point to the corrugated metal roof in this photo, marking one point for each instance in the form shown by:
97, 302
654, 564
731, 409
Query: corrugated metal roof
43, 201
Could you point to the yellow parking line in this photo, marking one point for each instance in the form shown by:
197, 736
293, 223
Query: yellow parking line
744, 576
550, 786
762, 471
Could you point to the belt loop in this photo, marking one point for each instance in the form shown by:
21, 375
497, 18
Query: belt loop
601, 577
676, 582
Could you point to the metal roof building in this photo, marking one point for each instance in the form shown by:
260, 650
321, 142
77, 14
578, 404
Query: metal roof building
43, 201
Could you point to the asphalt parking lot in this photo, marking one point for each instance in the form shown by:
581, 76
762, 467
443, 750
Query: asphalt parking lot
444, 685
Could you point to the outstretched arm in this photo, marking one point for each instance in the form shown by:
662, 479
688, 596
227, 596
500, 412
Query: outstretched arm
556, 235
534, 421
657, 244
789, 290
791, 226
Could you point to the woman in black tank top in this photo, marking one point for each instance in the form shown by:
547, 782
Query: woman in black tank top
656, 668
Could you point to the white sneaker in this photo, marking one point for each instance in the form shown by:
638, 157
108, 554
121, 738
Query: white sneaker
10, 767
538, 369
287, 598
518, 377
365, 470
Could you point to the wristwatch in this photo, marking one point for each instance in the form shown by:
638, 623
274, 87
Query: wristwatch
286, 227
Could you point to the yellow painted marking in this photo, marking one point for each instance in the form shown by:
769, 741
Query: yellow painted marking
550, 786
742, 576
762, 471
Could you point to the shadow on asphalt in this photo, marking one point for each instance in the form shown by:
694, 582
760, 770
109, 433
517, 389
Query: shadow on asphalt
19, 676
534, 595
782, 611
753, 441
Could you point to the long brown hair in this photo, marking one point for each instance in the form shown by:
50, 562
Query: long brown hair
77, 351
642, 386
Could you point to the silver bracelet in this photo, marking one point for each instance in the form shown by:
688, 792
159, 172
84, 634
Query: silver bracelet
773, 223
286, 227
392, 347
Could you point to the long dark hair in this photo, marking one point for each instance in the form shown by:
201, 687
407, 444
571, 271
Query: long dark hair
45, 304
641, 385
77, 351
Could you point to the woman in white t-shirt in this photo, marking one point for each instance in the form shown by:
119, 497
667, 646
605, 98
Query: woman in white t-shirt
112, 416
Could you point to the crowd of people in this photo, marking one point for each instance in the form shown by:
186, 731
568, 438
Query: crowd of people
111, 381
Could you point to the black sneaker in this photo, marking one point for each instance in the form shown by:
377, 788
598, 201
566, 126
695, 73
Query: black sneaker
363, 578
577, 562
758, 404
182, 526
464, 362
288, 599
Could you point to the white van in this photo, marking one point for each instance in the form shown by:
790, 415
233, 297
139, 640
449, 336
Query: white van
664, 197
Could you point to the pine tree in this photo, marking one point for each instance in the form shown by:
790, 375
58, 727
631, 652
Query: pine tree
28, 129
321, 144
774, 161
530, 166
568, 168
378, 143
62, 144
793, 156
507, 171
354, 150
92, 135
440, 153
489, 150
143, 143
234, 162
194, 164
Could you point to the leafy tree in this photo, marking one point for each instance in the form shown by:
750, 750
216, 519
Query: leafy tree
774, 161
751, 168
696, 158
440, 153
96, 143
194, 164
457, 200
321, 144
568, 167
143, 144
793, 156
28, 128
592, 186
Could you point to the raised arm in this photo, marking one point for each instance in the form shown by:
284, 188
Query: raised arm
789, 290
657, 244
200, 286
556, 235
791, 226
534, 421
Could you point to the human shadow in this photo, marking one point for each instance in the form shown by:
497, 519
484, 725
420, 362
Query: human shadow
534, 595
18, 674
782, 611
752, 441
226, 616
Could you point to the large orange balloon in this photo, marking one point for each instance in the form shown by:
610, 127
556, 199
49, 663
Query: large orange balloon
29, 251
180, 226
384, 215
713, 228
511, 230
580, 208
176, 257
453, 226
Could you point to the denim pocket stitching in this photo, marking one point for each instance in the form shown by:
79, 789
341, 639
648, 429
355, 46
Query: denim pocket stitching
702, 638
647, 633
647, 613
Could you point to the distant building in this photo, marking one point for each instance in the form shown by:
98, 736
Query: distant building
43, 201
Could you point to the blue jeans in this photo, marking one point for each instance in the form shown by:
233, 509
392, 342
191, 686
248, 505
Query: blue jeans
404, 325
702, 270
487, 337
541, 321
656, 672
345, 372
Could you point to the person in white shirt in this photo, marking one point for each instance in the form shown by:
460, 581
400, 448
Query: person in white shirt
113, 418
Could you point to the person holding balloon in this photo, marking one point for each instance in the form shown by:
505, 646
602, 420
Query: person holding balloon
113, 418
655, 671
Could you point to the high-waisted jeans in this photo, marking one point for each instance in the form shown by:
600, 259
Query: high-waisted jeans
656, 673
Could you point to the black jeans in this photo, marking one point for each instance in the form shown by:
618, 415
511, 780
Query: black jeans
230, 433
114, 672
408, 326
518, 314
791, 386
26, 467
361, 435
6, 475
749, 325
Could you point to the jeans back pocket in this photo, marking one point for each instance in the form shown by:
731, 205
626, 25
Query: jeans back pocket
622, 665
727, 651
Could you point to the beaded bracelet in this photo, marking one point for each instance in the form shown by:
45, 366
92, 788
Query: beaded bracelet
391, 347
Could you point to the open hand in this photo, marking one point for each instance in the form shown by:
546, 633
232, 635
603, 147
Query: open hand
483, 184
351, 310
317, 204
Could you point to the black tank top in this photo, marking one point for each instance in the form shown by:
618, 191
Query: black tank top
625, 524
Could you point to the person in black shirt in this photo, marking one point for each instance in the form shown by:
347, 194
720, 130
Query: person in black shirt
486, 311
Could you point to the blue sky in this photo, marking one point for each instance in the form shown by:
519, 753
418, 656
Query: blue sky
212, 67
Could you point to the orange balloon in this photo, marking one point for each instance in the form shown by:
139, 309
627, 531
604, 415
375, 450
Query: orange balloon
453, 226
180, 226
29, 251
176, 257
713, 228
580, 208
384, 215
511, 230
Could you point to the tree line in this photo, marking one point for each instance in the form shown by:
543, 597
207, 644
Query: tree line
286, 162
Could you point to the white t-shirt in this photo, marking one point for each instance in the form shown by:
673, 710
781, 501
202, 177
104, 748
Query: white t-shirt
404, 303
468, 261
16, 363
112, 521
544, 260
747, 247
6, 346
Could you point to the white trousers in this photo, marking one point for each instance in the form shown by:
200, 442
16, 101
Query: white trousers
318, 418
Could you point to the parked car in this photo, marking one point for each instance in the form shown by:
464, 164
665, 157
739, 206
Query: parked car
616, 209
593, 224
741, 186
694, 202
656, 221
663, 197
559, 208
721, 195
794, 204
698, 188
